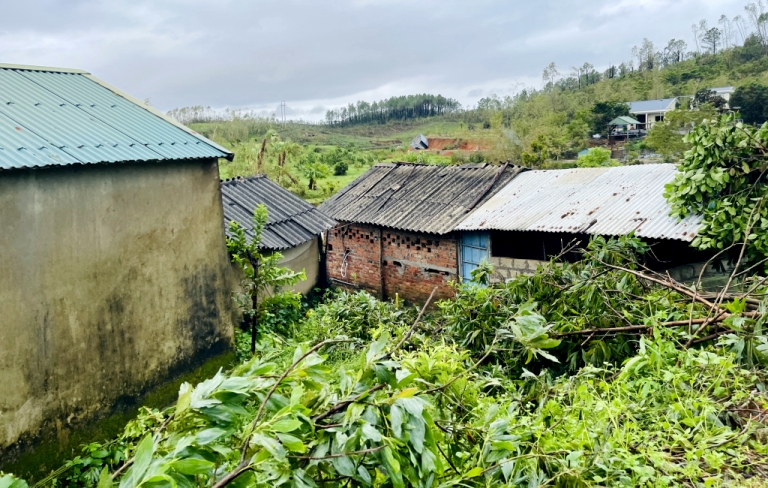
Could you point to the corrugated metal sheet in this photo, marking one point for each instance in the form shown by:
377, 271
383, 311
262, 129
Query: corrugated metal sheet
54, 118
292, 221
416, 197
600, 201
652, 105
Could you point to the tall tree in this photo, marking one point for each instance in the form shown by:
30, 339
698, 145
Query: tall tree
550, 74
752, 102
711, 39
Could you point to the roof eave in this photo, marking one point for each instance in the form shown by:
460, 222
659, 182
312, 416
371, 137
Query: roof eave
228, 155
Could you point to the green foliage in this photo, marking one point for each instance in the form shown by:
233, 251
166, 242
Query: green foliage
262, 275
474, 395
722, 178
8, 481
595, 158
667, 137
402, 108
604, 112
313, 170
340, 168
482, 274
752, 102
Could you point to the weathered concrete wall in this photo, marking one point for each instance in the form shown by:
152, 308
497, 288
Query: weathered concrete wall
112, 279
386, 262
304, 257
508, 268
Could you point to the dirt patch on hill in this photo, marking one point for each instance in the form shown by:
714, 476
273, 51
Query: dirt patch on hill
448, 144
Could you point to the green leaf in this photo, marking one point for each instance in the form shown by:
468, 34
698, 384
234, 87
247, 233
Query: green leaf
271, 445
192, 466
208, 436
105, 479
377, 347
292, 443
392, 467
474, 472
344, 466
142, 459
396, 419
370, 433
286, 424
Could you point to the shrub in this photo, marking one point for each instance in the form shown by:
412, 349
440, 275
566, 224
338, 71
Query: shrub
340, 168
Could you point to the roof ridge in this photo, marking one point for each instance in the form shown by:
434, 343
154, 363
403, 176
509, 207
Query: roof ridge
28, 67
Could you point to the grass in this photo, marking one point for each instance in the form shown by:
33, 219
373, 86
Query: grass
368, 144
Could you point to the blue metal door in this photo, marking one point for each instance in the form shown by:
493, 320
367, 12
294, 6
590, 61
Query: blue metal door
474, 249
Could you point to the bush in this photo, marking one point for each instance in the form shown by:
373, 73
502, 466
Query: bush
752, 101
595, 158
477, 157
340, 168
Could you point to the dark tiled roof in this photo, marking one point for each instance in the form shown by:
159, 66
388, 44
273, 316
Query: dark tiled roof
292, 221
418, 197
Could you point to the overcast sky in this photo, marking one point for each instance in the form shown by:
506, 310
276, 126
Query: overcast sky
322, 53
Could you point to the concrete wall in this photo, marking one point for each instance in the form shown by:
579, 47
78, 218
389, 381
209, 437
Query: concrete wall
508, 268
386, 262
112, 279
304, 257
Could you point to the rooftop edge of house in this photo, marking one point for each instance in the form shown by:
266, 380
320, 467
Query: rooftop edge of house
229, 155
603, 201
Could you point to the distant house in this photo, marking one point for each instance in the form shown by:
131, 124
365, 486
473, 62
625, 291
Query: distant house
420, 142
294, 226
624, 126
725, 93
113, 268
648, 112
539, 213
396, 227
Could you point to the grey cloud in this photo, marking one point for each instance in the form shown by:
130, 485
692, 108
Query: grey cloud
242, 53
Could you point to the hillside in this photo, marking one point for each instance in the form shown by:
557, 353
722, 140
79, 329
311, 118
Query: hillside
538, 127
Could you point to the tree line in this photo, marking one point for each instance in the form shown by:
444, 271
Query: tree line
749, 32
395, 108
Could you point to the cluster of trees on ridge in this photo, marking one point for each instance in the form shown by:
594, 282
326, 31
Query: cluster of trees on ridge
395, 108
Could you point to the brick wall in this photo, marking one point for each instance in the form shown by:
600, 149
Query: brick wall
360, 270
412, 264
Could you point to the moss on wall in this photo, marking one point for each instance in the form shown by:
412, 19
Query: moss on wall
49, 454
113, 278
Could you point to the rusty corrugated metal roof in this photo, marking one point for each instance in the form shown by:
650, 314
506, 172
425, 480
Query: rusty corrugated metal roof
600, 201
58, 117
417, 197
292, 221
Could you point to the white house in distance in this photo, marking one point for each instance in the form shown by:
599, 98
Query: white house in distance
648, 112
725, 93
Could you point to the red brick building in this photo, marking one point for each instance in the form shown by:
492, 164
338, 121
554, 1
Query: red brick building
395, 232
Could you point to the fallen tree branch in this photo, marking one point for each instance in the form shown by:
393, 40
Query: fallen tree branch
340, 455
413, 327
342, 405
263, 405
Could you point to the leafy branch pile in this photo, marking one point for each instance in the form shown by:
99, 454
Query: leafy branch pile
666, 387
723, 179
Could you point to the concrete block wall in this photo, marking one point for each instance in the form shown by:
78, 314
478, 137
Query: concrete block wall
508, 268
386, 262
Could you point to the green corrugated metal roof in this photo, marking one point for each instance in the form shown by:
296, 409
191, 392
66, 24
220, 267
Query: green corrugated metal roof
624, 120
55, 117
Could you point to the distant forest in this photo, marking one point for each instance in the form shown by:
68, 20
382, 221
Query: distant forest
395, 108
